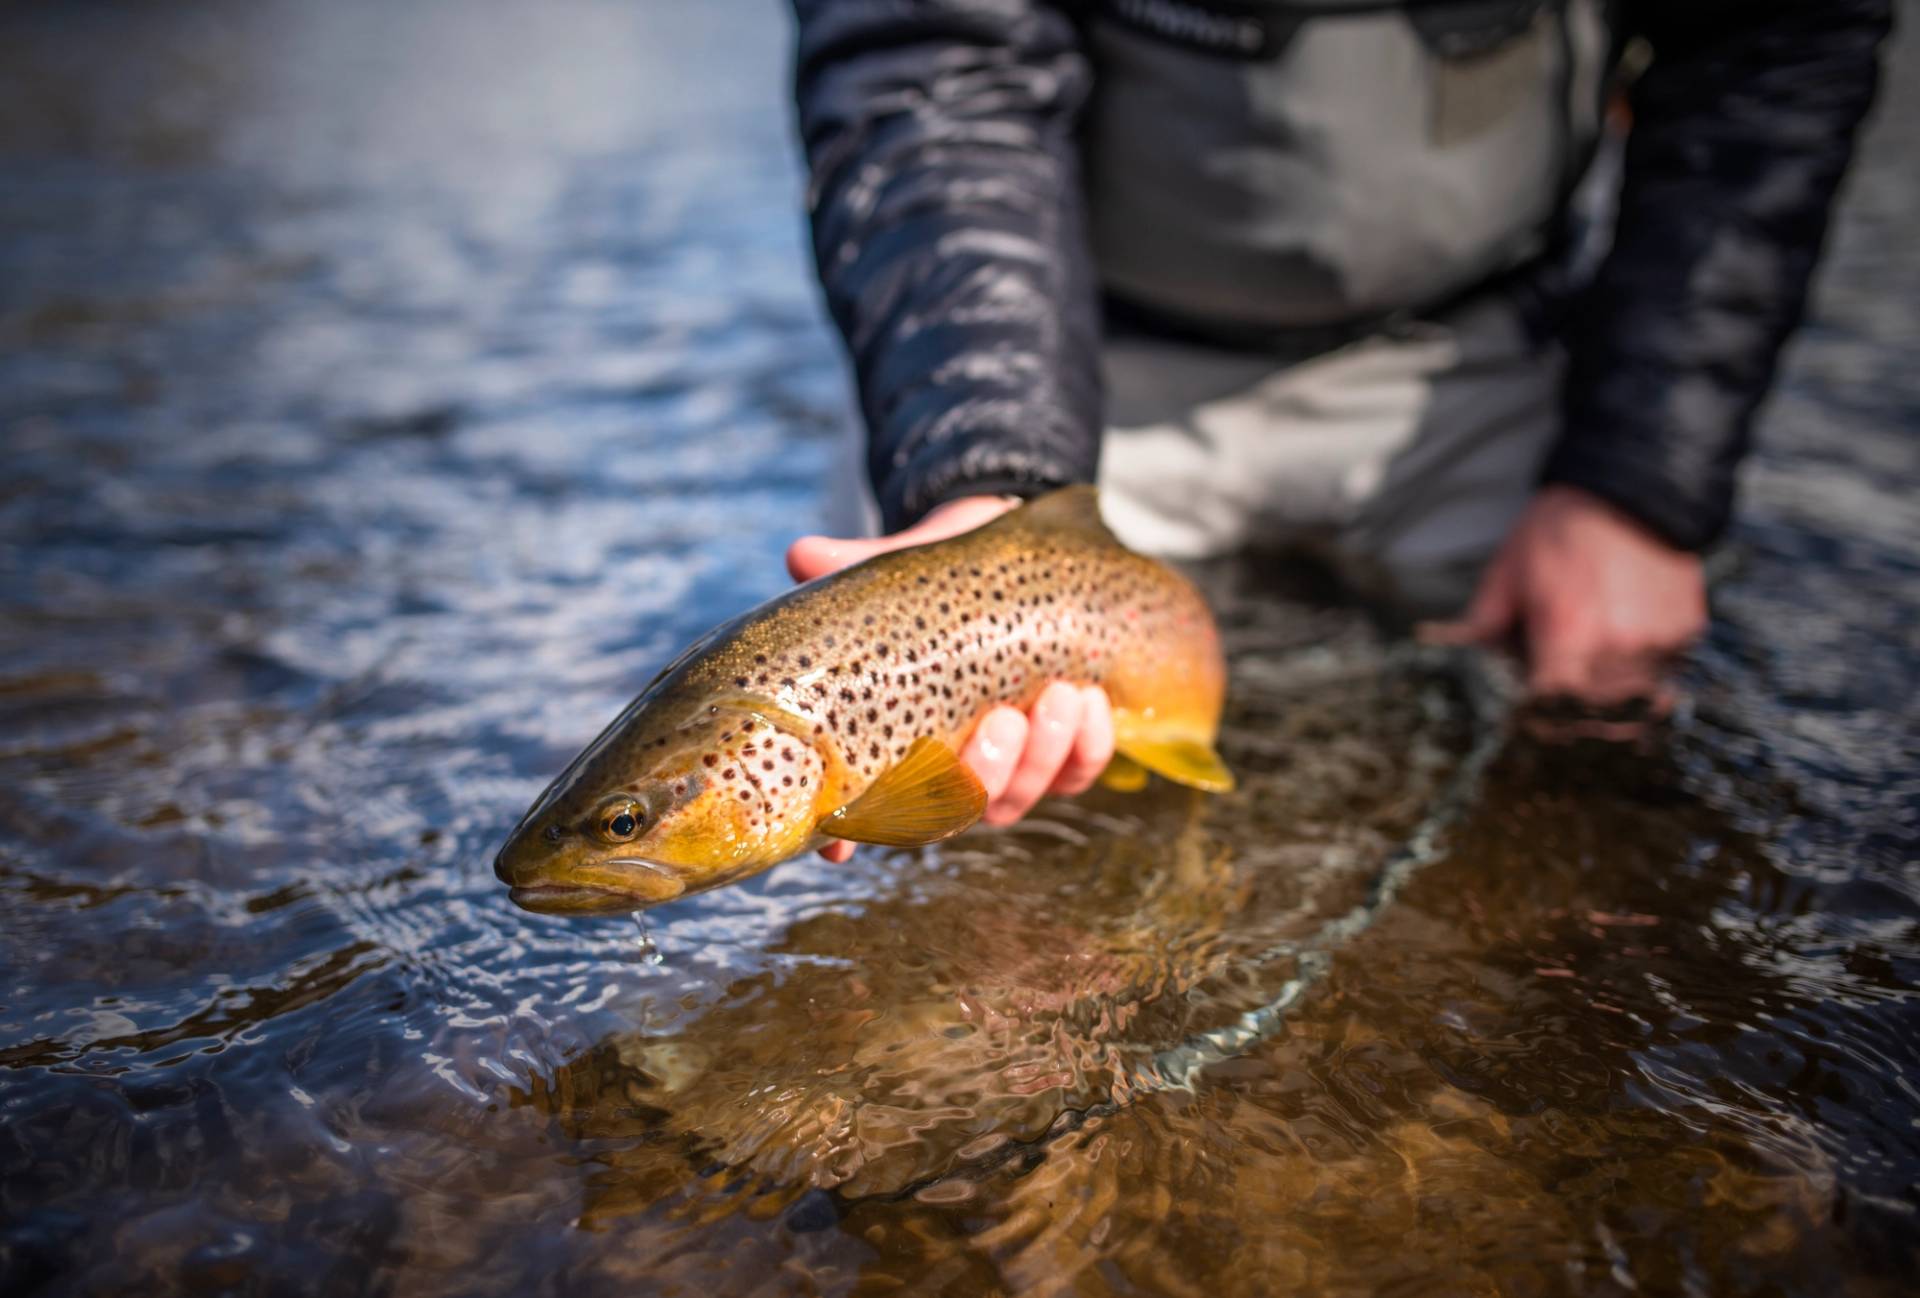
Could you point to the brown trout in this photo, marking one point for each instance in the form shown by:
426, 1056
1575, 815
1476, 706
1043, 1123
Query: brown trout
839, 709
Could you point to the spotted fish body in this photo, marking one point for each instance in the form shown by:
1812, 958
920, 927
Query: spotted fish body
837, 710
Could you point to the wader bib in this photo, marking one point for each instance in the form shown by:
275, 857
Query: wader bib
1257, 167
1311, 207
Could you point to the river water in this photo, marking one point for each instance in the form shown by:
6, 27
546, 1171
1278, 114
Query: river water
387, 390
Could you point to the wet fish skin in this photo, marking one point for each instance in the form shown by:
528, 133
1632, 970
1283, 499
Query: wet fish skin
838, 709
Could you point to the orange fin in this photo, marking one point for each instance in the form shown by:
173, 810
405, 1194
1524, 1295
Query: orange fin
1182, 759
1124, 775
924, 797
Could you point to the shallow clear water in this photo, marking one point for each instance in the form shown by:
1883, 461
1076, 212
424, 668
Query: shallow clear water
386, 391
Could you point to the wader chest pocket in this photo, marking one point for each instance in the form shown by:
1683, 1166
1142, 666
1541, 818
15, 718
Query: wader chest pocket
1305, 163
1490, 58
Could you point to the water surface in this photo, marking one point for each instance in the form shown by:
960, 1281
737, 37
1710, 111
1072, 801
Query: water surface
388, 390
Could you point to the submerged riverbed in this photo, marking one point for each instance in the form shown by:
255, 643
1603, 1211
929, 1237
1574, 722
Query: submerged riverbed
386, 391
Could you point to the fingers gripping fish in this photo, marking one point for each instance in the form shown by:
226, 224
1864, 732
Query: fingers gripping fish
839, 709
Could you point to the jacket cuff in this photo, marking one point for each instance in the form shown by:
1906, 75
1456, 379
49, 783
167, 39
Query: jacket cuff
1685, 520
904, 501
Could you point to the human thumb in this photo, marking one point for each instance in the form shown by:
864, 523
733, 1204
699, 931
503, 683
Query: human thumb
816, 556
1490, 616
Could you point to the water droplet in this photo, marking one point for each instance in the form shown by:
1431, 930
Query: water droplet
646, 949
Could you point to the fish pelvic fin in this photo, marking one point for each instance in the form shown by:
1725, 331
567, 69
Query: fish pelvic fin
924, 797
1180, 758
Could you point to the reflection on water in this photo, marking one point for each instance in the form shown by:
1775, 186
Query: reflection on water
387, 390
979, 1001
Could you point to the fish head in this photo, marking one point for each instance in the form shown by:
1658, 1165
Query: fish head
656, 811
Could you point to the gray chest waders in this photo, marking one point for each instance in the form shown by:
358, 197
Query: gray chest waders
1279, 166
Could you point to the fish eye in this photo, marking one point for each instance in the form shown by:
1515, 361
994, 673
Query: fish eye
620, 819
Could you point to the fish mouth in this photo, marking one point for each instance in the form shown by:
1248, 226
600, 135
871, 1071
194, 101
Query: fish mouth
615, 886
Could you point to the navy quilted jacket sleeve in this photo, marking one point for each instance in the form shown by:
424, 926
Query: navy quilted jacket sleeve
948, 230
1743, 124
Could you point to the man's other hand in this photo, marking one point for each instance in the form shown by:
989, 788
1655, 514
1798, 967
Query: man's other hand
1598, 605
1060, 745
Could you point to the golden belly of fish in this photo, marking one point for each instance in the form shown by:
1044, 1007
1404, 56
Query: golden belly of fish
839, 709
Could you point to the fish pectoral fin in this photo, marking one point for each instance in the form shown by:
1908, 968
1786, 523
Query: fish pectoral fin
1183, 760
924, 797
1124, 775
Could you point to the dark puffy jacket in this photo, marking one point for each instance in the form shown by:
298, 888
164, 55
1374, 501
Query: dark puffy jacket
951, 240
